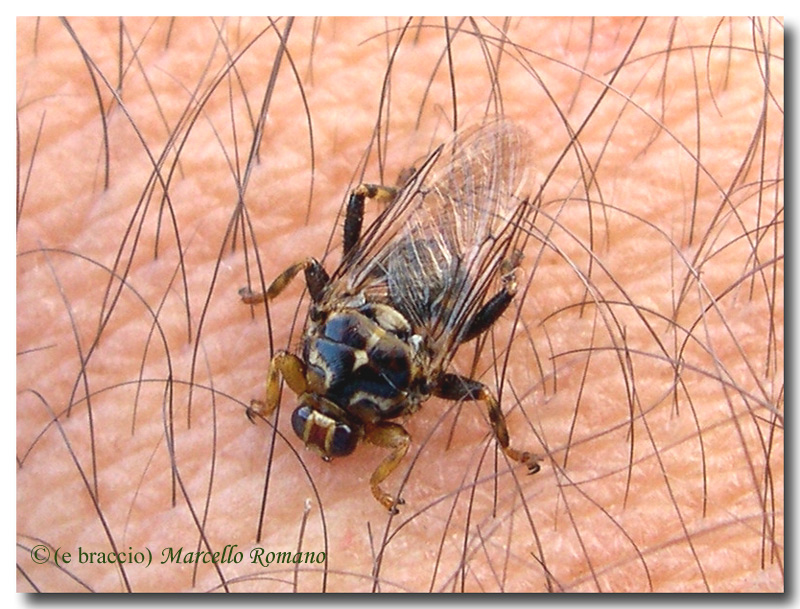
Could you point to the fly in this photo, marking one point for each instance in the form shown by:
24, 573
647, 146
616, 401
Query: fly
412, 287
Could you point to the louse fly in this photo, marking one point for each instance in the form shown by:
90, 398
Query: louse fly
410, 289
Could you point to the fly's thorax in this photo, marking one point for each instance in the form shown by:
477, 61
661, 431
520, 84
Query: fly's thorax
366, 360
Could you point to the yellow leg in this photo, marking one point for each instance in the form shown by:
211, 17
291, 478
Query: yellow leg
277, 286
498, 420
395, 438
376, 192
294, 373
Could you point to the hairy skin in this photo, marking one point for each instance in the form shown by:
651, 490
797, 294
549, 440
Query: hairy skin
647, 352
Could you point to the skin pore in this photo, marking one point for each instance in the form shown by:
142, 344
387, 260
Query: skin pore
643, 354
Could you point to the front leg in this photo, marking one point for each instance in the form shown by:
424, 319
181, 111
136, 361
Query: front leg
316, 280
294, 373
394, 437
456, 387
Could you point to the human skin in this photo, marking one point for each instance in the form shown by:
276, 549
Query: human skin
663, 463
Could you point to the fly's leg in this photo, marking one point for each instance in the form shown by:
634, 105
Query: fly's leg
294, 373
316, 280
490, 312
290, 366
455, 387
355, 210
496, 306
276, 287
395, 438
316, 276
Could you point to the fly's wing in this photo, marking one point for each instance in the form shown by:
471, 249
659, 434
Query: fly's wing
435, 250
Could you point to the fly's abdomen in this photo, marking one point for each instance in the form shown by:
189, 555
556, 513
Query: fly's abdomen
367, 370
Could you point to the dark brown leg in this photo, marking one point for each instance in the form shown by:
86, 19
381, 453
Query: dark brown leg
496, 306
355, 210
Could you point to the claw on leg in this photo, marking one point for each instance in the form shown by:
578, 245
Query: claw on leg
256, 408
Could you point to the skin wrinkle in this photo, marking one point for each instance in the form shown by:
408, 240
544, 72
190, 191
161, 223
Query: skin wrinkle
687, 497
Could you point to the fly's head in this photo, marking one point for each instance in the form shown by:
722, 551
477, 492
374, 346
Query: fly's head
326, 433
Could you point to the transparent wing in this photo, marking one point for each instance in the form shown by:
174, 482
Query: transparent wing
434, 252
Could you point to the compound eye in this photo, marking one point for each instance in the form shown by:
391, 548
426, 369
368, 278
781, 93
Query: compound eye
343, 440
322, 433
300, 418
